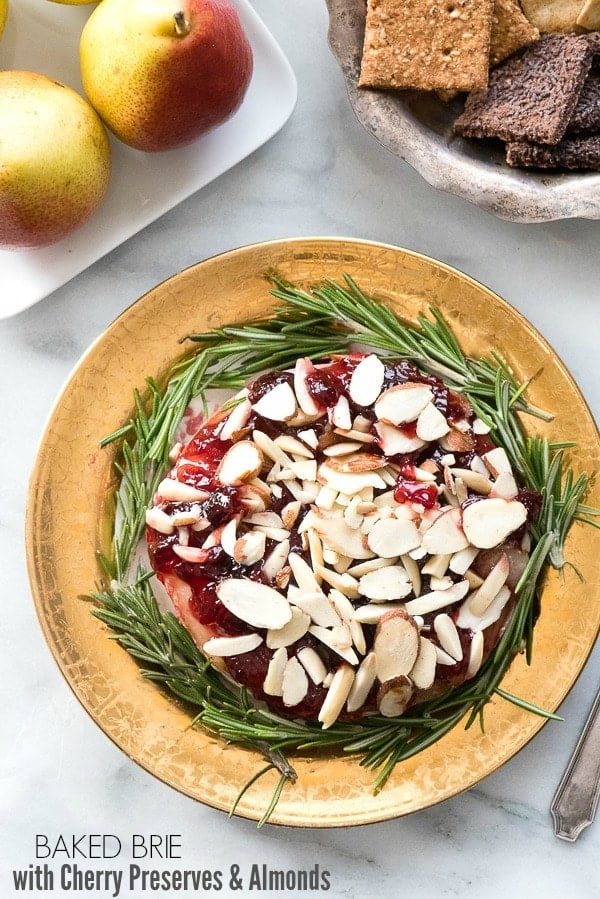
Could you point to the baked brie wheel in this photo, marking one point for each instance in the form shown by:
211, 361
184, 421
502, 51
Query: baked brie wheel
343, 538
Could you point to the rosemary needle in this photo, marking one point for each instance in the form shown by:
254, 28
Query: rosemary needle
329, 319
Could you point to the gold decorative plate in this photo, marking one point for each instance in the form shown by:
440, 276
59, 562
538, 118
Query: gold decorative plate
68, 521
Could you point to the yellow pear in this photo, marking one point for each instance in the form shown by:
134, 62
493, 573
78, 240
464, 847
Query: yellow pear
3, 14
162, 72
55, 160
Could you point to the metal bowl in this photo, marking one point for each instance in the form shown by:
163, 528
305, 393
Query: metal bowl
417, 127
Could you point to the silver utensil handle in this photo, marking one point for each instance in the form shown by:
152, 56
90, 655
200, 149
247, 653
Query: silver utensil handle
575, 801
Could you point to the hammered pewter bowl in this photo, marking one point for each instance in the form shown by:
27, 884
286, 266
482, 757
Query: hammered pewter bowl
417, 127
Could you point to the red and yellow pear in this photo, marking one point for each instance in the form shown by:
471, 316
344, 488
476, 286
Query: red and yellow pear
55, 160
161, 73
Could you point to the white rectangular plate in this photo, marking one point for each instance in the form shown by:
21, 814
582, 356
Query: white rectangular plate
44, 37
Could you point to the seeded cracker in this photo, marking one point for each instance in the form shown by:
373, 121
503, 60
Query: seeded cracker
427, 45
586, 117
575, 153
532, 95
510, 31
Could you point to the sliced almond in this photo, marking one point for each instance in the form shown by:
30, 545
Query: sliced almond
461, 561
455, 441
345, 583
270, 448
236, 420
273, 683
473, 480
366, 381
193, 554
493, 583
265, 519
396, 645
357, 462
278, 404
414, 573
171, 490
447, 634
309, 436
313, 664
304, 469
290, 444
289, 514
403, 402
488, 522
446, 534
373, 564
372, 613
437, 599
159, 520
346, 482
363, 681
422, 672
393, 537
337, 694
436, 566
335, 638
441, 583
296, 627
393, 441
229, 536
326, 498
352, 434
305, 576
255, 603
306, 401
476, 654
318, 607
431, 424
295, 683
505, 486
443, 657
468, 621
343, 448
276, 559
232, 646
340, 414
480, 427
336, 535
242, 462
385, 584
393, 697
497, 462
184, 517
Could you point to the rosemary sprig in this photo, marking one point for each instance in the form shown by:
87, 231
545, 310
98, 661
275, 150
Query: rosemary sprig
329, 319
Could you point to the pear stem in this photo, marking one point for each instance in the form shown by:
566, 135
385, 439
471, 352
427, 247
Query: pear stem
182, 26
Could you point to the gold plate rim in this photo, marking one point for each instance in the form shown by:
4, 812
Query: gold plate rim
67, 503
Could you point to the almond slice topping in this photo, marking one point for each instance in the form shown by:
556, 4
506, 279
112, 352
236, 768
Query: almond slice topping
422, 672
240, 464
255, 603
160, 521
437, 599
236, 420
431, 424
313, 664
394, 441
480, 600
366, 381
447, 634
488, 522
307, 403
403, 403
384, 584
173, 491
396, 645
337, 695
296, 627
393, 697
393, 537
446, 534
476, 654
278, 404
295, 683
363, 681
232, 646
273, 683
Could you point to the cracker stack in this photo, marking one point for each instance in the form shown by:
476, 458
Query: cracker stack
439, 46
544, 102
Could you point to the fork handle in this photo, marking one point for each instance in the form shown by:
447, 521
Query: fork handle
576, 799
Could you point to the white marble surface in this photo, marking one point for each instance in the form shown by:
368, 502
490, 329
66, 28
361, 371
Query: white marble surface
322, 174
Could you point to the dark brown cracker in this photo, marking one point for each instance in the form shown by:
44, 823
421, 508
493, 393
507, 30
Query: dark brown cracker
586, 115
510, 31
575, 153
532, 95
427, 44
